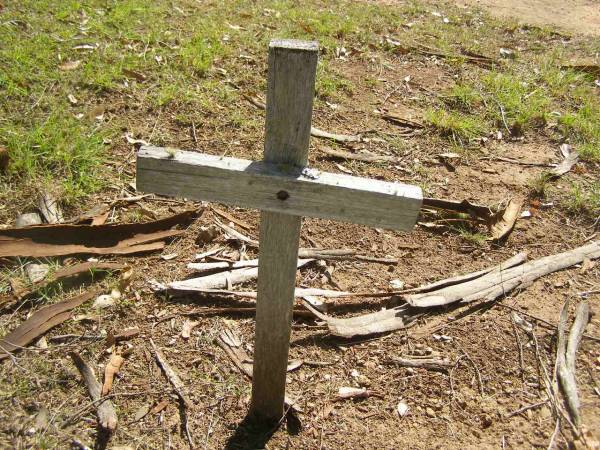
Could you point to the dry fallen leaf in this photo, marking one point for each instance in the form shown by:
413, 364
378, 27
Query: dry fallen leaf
70, 65
112, 368
503, 222
351, 392
188, 326
133, 74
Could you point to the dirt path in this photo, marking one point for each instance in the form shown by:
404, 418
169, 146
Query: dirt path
575, 16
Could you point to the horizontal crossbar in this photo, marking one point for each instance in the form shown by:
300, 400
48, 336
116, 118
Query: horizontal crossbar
279, 188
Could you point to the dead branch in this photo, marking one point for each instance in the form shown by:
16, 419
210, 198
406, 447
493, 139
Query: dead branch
565, 356
172, 376
342, 138
464, 206
222, 279
236, 235
341, 154
179, 388
107, 416
503, 280
515, 161
225, 215
441, 364
373, 323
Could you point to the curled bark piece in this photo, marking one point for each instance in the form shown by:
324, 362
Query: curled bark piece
65, 239
41, 321
50, 208
464, 206
188, 326
107, 416
565, 165
71, 275
348, 392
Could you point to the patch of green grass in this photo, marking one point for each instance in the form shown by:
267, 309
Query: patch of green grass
202, 49
59, 150
518, 102
590, 151
330, 84
463, 96
538, 186
582, 126
456, 125
584, 199
473, 237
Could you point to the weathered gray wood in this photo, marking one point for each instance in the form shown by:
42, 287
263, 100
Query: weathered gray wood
278, 188
107, 415
222, 279
504, 278
291, 84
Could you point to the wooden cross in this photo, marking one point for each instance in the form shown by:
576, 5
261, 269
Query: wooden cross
284, 189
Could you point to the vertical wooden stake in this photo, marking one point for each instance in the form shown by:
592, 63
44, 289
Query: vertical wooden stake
292, 72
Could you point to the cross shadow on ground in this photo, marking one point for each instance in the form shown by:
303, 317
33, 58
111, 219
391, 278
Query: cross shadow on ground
251, 434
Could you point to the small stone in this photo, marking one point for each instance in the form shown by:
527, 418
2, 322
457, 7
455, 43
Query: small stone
28, 219
397, 284
207, 234
36, 272
402, 409
42, 343
430, 412
104, 301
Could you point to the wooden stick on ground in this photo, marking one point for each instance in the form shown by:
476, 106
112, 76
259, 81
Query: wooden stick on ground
107, 416
171, 376
178, 386
441, 364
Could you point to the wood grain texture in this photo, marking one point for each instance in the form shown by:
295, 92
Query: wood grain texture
257, 185
291, 84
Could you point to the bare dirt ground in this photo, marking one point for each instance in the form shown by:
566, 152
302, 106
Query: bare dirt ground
492, 398
574, 16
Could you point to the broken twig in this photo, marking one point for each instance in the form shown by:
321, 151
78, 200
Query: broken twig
107, 416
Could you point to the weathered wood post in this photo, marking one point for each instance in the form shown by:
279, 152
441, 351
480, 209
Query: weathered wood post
291, 85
